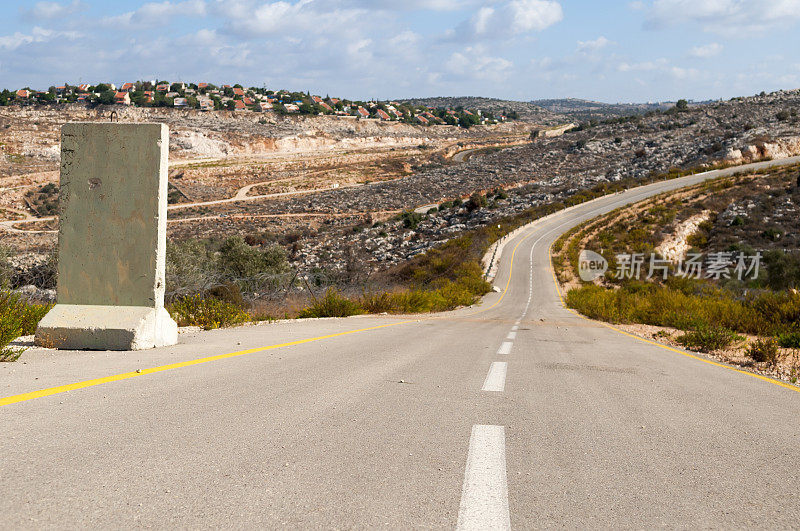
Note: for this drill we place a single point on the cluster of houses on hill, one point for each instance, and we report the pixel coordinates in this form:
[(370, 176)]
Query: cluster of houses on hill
[(210, 97)]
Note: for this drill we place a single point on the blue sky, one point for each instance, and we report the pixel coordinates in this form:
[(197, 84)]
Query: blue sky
[(648, 50)]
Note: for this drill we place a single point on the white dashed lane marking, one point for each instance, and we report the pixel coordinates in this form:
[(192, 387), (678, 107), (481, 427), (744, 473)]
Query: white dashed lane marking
[(505, 348), (512, 335), (496, 379), (484, 496)]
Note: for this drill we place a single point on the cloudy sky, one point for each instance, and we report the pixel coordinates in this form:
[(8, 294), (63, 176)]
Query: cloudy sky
[(648, 50)]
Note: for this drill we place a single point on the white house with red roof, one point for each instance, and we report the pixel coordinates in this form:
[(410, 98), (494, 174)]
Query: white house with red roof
[(382, 115), (238, 92), (422, 120), (122, 98), (23, 94), (362, 112), (127, 87)]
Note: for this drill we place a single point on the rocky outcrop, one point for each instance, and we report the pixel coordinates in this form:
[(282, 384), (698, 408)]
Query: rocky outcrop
[(675, 246)]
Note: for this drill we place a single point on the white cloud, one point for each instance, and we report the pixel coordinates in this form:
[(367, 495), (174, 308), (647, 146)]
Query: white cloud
[(724, 16), (476, 62), (405, 40), (156, 14), (511, 18), (593, 46), (705, 52), (53, 10), (407, 5), (37, 35), (203, 37), (659, 68), (683, 73), (644, 66), (252, 19)]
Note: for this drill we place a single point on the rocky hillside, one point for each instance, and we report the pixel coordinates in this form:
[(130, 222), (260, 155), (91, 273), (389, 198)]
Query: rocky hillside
[(526, 111), (29, 136), (584, 110)]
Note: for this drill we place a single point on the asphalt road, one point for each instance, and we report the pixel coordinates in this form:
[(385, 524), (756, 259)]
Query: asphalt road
[(515, 412)]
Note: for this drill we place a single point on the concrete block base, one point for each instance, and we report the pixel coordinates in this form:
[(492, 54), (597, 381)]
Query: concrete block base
[(95, 327)]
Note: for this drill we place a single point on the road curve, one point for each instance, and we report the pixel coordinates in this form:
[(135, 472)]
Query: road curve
[(512, 413)]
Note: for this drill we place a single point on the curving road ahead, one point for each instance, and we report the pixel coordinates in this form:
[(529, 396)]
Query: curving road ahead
[(515, 412)]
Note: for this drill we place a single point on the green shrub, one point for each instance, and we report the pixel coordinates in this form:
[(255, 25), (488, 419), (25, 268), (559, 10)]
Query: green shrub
[(789, 339), (708, 338), (18, 317), (6, 270), (764, 351), (690, 305), (207, 312), (237, 260), (411, 219), (332, 304), (475, 202), (201, 267)]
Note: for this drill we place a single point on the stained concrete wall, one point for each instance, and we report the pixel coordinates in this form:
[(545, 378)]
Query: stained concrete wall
[(112, 235)]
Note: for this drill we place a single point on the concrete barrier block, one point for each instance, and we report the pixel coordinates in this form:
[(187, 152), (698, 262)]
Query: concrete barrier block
[(111, 239), (100, 327)]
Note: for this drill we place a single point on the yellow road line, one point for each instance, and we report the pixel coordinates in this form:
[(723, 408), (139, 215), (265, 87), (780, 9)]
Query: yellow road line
[(124, 376), (4, 401), (510, 270), (665, 347)]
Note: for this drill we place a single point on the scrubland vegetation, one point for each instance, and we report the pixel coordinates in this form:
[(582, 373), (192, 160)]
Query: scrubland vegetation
[(18, 317), (747, 213)]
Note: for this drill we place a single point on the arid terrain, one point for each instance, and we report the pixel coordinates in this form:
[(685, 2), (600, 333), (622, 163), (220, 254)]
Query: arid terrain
[(341, 194)]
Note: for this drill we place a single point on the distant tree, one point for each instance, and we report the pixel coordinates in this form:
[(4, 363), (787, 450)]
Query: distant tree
[(230, 105), (102, 87), (137, 98), (783, 269), (307, 108), (475, 202), (159, 100), (106, 97), (237, 85), (682, 105)]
